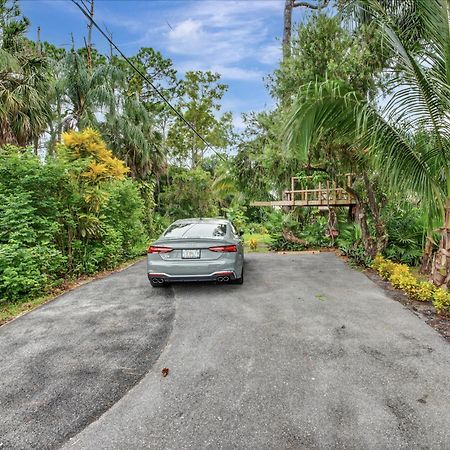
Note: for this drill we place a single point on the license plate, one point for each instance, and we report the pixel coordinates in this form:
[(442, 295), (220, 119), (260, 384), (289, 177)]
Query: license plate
[(190, 254)]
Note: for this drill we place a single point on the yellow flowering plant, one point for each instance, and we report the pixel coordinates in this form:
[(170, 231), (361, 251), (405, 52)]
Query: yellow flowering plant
[(253, 243), (89, 146), (441, 301), (401, 278)]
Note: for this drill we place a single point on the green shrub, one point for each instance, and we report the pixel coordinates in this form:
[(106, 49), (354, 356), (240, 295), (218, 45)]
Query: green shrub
[(405, 225), (56, 224), (279, 244), (349, 242)]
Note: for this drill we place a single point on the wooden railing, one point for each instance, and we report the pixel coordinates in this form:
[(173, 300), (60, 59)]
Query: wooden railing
[(326, 194)]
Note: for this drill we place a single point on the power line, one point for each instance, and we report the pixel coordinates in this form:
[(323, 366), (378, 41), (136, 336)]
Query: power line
[(144, 76)]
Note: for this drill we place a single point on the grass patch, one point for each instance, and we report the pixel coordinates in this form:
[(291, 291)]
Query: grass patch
[(10, 310)]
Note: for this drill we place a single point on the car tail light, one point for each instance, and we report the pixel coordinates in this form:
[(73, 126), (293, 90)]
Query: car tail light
[(156, 249), (224, 249)]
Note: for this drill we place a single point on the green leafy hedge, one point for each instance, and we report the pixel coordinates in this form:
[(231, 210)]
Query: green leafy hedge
[(49, 231)]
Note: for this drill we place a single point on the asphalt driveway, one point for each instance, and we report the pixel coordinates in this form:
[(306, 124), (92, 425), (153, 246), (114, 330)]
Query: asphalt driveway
[(308, 353), (65, 363)]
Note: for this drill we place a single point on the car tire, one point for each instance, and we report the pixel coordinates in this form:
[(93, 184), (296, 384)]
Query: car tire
[(239, 280)]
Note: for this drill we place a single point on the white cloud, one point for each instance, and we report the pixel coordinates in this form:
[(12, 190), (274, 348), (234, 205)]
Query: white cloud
[(226, 72), (270, 54), (226, 32), (187, 30), (237, 73), (238, 122)]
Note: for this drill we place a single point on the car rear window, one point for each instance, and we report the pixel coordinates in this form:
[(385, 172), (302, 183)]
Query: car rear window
[(196, 230)]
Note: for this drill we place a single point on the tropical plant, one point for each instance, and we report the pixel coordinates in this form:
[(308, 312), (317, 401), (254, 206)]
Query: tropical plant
[(419, 106), (87, 90), (129, 131), (24, 81)]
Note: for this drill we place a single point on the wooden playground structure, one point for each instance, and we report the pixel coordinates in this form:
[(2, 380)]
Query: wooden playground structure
[(328, 194)]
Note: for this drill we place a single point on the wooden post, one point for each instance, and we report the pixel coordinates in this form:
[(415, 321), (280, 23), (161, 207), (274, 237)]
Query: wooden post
[(89, 40), (320, 193), (293, 188)]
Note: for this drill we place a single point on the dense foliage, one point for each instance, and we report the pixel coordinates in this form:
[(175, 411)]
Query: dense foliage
[(71, 215)]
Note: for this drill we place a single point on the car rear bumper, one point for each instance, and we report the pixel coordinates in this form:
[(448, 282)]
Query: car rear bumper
[(223, 275), (228, 265)]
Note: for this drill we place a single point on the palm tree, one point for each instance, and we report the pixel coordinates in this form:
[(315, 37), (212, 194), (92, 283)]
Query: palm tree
[(87, 90), (419, 105), (129, 129), (24, 79)]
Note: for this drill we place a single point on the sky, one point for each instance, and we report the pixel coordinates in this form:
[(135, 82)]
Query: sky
[(240, 39)]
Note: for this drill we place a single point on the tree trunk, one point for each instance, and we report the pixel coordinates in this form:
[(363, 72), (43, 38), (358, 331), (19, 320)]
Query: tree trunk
[(426, 260), (440, 273), (380, 229), (89, 39), (332, 230), (287, 29), (360, 219), (368, 242), (289, 5), (36, 145)]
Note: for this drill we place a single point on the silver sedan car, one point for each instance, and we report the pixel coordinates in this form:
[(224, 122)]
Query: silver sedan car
[(197, 250)]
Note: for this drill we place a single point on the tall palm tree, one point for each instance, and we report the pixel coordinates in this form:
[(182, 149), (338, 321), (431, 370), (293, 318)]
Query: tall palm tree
[(87, 90), (130, 131), (24, 79), (419, 105)]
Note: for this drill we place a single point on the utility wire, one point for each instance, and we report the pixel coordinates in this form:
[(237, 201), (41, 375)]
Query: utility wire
[(144, 76)]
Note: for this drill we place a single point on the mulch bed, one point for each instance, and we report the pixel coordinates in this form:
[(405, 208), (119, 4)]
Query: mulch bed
[(424, 310)]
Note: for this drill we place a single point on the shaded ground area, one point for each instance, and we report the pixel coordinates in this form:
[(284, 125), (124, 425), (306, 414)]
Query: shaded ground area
[(307, 354), (68, 361)]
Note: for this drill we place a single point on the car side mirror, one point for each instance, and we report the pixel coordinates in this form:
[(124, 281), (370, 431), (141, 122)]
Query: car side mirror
[(241, 233)]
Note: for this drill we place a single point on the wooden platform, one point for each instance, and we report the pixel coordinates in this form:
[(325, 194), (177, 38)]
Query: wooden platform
[(303, 203), (326, 195)]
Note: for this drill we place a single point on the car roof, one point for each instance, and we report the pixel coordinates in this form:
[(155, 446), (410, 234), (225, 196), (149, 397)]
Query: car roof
[(203, 220)]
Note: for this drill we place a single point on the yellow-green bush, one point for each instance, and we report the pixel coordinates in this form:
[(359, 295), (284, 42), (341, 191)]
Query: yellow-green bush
[(441, 301), (383, 266), (401, 278), (253, 243), (377, 262), (424, 291)]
